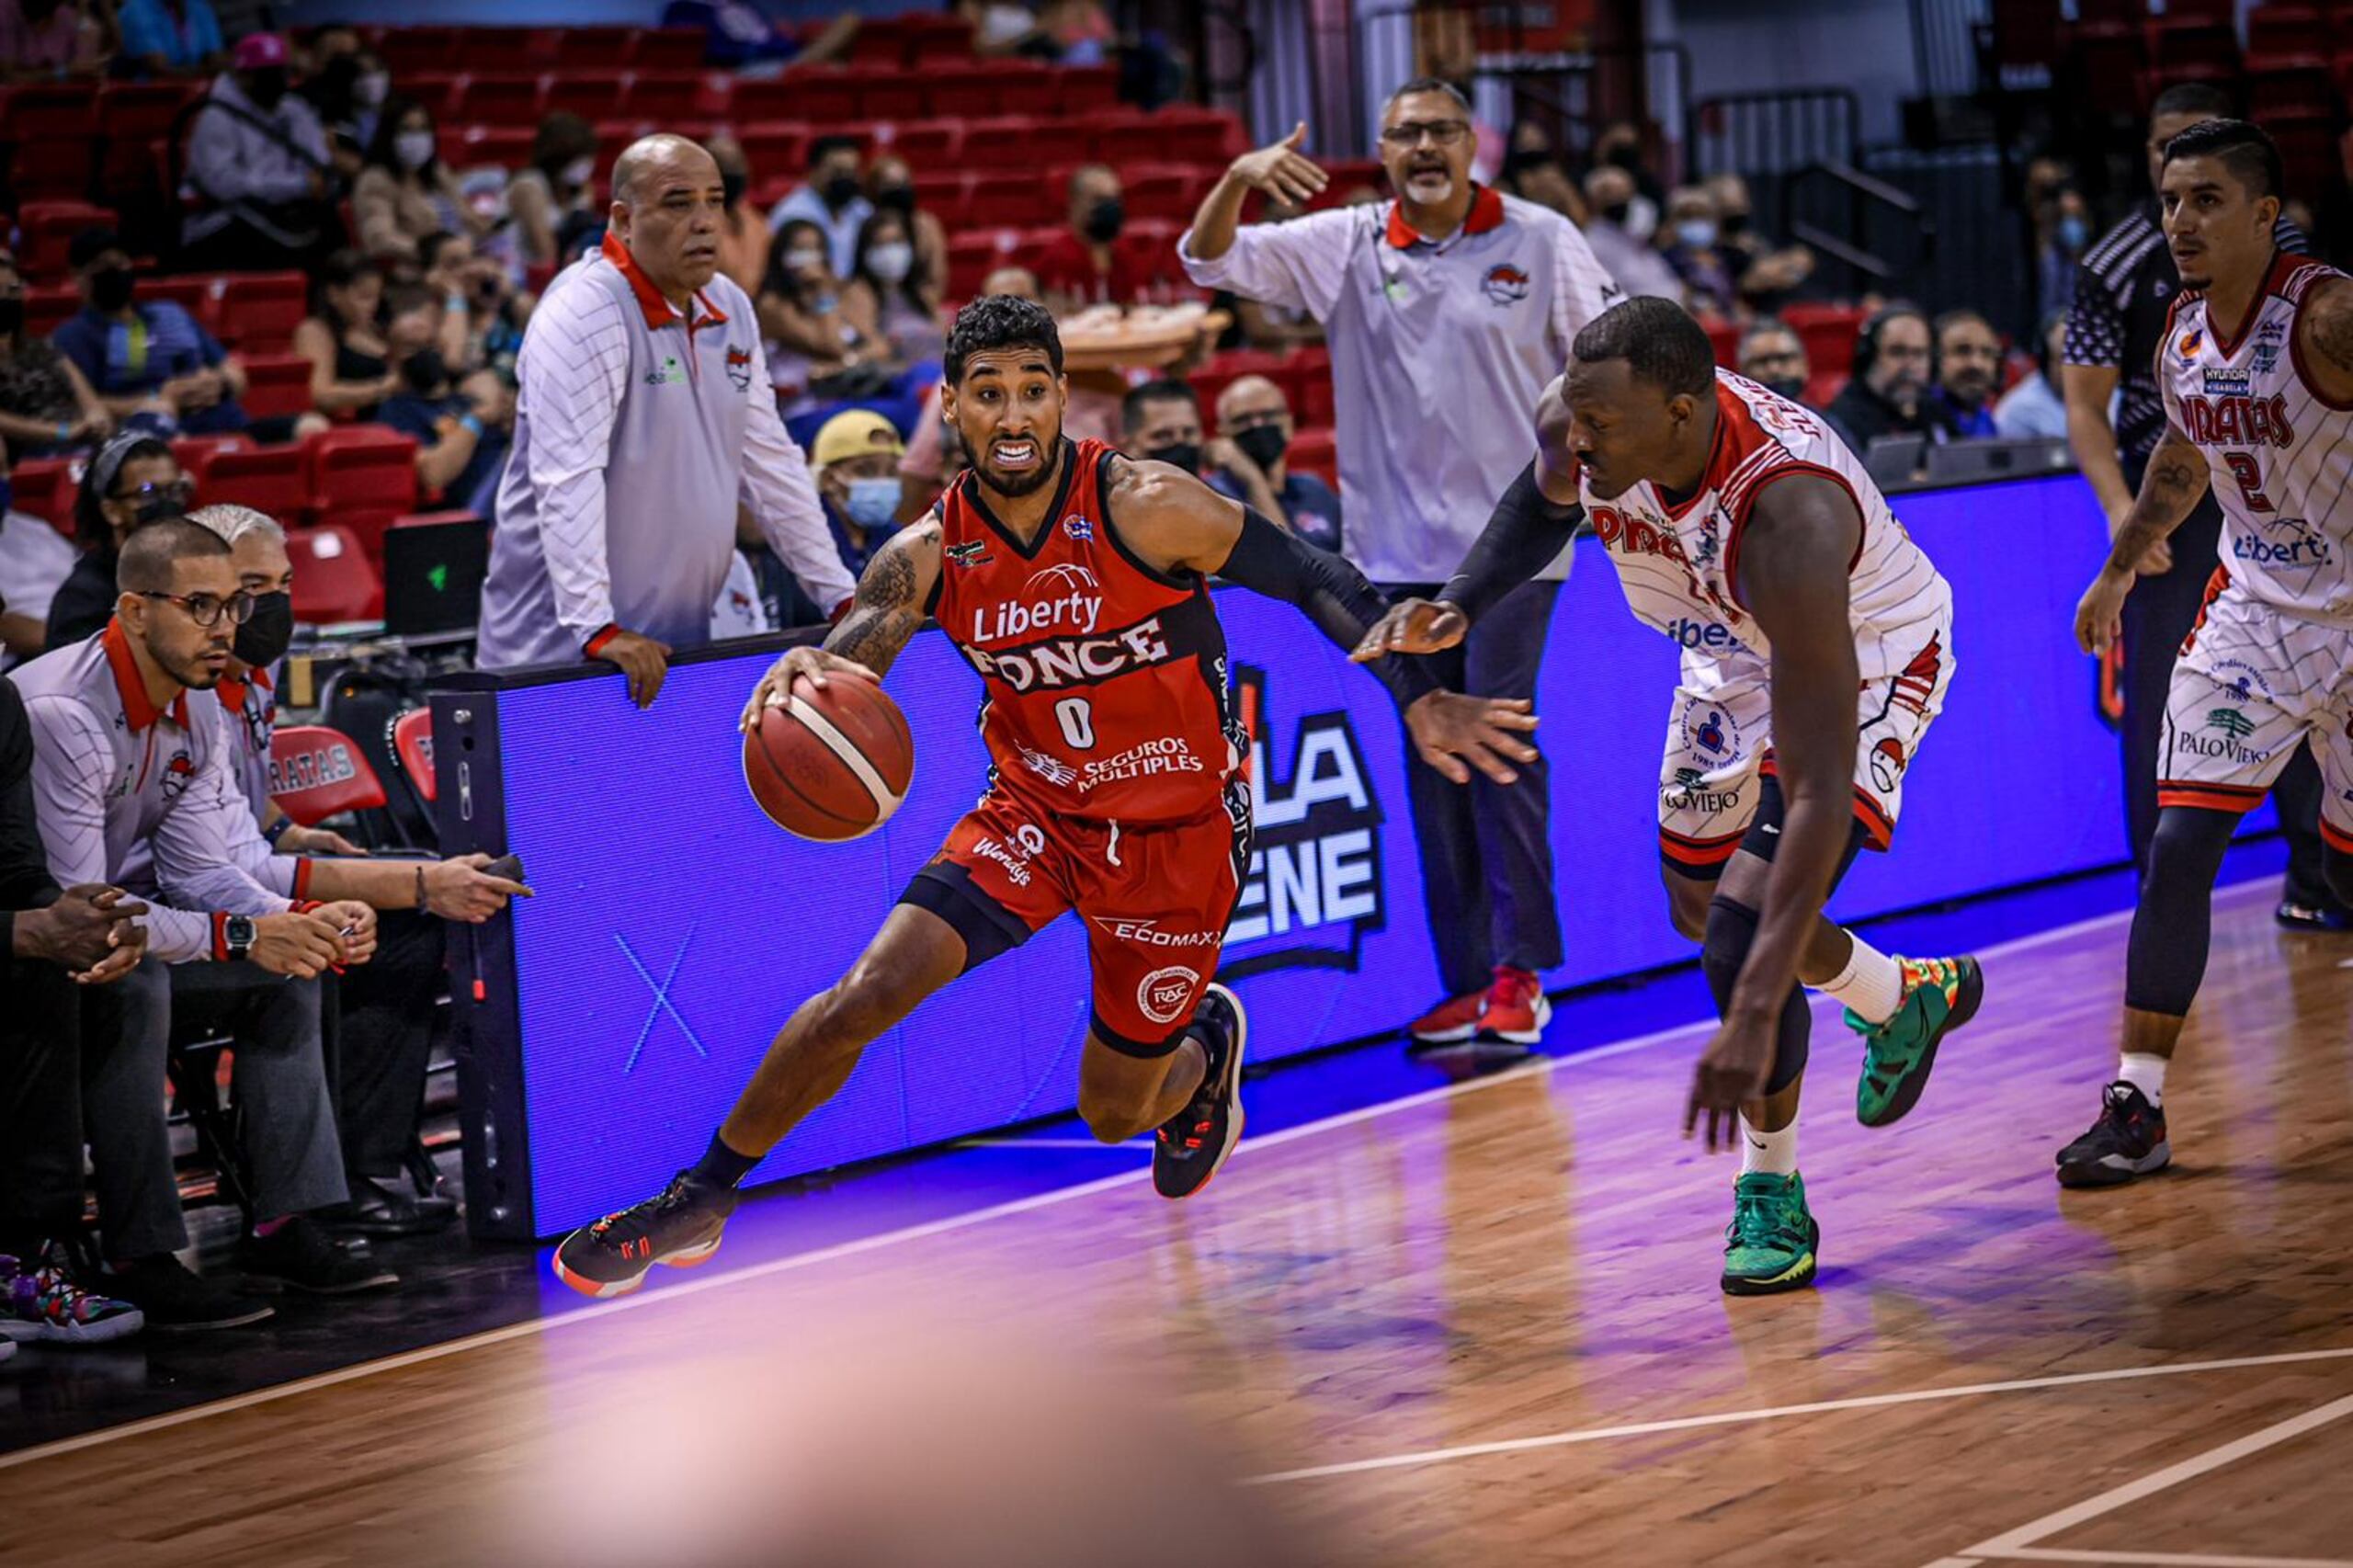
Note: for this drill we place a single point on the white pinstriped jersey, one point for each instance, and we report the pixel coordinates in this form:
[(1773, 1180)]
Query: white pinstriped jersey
[(1678, 564), (2280, 455)]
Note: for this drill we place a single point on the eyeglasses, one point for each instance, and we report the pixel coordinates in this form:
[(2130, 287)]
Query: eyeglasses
[(180, 490), (1258, 420), (206, 609), (1441, 133)]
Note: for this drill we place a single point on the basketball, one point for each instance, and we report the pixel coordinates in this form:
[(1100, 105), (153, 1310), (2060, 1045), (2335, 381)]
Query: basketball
[(833, 764)]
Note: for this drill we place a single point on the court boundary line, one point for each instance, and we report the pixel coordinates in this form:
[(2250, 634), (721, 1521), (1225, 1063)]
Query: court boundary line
[(1542, 1067), (1774, 1413), (2019, 1542), (2164, 1559)]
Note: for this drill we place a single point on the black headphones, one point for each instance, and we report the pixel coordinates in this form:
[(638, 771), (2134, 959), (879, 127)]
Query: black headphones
[(1867, 335)]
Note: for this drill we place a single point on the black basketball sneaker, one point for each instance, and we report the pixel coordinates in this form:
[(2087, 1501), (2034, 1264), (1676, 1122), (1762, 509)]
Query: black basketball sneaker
[(681, 1226), (1195, 1142), (2128, 1141)]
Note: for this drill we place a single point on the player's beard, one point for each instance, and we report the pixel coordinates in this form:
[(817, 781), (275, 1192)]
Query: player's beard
[(1014, 485)]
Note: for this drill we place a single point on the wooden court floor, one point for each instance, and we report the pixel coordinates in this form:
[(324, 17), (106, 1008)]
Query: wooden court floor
[(1480, 1326)]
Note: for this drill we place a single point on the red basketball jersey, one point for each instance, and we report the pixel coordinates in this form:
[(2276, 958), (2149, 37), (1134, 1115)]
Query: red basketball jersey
[(1106, 680)]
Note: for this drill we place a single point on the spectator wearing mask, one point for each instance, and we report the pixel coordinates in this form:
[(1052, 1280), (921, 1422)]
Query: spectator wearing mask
[(1245, 462), (1968, 373), (460, 434), (744, 236), (832, 197), (257, 156), (55, 942), (170, 37), (1638, 270), (1765, 276), (1619, 146), (891, 288), (45, 403), (120, 707), (404, 193), (42, 40), (480, 316), (815, 331), (349, 91), (553, 200), (379, 1016), (151, 363), (133, 481), (617, 514), (343, 337), (891, 186), (1162, 420), (855, 460), (2035, 406), (1083, 265), (2066, 238), (1691, 249), (1888, 393), (1774, 355)]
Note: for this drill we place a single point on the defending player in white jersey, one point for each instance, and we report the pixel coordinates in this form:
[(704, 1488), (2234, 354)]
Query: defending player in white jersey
[(1742, 528), (2257, 370)]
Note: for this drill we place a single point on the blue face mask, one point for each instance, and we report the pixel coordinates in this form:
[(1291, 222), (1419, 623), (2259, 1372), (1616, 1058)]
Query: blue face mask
[(2074, 234), (873, 503)]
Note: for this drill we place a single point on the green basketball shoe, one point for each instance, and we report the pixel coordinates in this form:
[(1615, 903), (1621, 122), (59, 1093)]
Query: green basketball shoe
[(1940, 995), (1769, 1245)]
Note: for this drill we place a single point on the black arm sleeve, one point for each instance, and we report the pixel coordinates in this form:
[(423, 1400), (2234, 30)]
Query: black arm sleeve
[(25, 881), (1331, 593), (1526, 532)]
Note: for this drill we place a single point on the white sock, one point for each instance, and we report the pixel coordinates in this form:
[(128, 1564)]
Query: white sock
[(1773, 1153), (2147, 1073), (1871, 984)]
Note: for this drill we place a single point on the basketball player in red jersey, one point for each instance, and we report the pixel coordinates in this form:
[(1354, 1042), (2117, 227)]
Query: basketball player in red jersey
[(1076, 582), (1741, 526), (2256, 368)]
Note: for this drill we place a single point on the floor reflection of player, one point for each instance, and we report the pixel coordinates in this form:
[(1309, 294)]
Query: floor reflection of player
[(1742, 529), (1076, 582)]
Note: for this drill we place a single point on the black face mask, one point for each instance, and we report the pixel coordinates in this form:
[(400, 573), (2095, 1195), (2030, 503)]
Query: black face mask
[(111, 288), (896, 199), (267, 632), (1616, 212), (266, 87), (1262, 444), (733, 187), (1624, 157), (1180, 454), (1790, 387), (1105, 219), (425, 372), (1733, 223), (12, 315), (840, 192)]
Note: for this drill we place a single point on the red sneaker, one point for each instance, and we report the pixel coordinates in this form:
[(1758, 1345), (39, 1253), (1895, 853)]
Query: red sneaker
[(1516, 1007), (1452, 1020)]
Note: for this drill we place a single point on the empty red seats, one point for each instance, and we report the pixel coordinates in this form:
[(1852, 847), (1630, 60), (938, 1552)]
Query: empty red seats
[(334, 582), (268, 479), (257, 311), (46, 228), (316, 772), (363, 476), (45, 487)]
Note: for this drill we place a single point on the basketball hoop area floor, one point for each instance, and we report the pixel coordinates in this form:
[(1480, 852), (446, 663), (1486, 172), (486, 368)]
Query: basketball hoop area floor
[(1480, 1324)]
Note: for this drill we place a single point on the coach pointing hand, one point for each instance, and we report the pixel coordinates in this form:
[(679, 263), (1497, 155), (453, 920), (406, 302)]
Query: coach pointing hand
[(644, 416)]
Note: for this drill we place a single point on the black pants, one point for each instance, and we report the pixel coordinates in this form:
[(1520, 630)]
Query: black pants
[(40, 1106), (2157, 616), (1486, 848), (379, 1024)]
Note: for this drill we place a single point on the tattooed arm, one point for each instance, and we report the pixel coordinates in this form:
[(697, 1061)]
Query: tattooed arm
[(2170, 489), (2324, 340), (894, 596)]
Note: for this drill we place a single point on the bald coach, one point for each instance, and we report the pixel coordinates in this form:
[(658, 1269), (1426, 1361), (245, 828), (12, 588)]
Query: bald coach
[(644, 416)]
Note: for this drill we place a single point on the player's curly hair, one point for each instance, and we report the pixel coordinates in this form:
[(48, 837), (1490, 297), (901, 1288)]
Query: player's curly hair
[(1000, 320), (1659, 340)]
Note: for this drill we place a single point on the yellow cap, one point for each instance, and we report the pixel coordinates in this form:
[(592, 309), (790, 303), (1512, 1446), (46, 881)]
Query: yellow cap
[(853, 433)]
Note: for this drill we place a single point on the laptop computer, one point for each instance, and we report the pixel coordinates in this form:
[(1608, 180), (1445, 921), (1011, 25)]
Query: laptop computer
[(1967, 462), (433, 575), (1891, 461)]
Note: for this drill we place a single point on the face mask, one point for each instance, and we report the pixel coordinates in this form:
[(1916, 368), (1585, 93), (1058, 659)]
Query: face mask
[(840, 192), (156, 506), (266, 87), (2074, 234), (873, 503), (1642, 220), (896, 198), (413, 148), (1735, 222), (1178, 454), (369, 91), (12, 315), (579, 172), (111, 288), (732, 187), (1626, 156), (267, 633), (1105, 219), (892, 261), (1788, 387), (1616, 213), (1697, 232), (1262, 444), (804, 261)]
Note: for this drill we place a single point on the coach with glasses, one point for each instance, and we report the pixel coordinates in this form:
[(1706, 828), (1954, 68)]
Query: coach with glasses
[(1447, 309)]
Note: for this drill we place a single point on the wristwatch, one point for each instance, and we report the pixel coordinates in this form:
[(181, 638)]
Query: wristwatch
[(237, 936)]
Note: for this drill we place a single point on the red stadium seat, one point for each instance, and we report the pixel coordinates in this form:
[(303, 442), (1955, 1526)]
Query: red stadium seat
[(880, 44), (45, 487), (2280, 36), (439, 91), (44, 230), (316, 772), (579, 48), (1159, 190), (1012, 198), (815, 95), (193, 294), (52, 134), (333, 580), (774, 99), (486, 146), (1007, 142), (894, 95), (591, 95), (363, 476), (277, 385), (667, 48), (2107, 64), (1309, 380), (407, 51), (936, 39), (257, 311), (412, 743), (1082, 89), (2292, 91), (2193, 51), (1312, 452), (925, 143), (1828, 333), (968, 91), (268, 479), (662, 95), (974, 253), (499, 100), (2309, 149), (132, 115), (48, 309), (195, 453)]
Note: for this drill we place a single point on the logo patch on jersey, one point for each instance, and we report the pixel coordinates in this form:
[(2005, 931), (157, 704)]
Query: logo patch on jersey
[(1074, 661), (1064, 598), (1148, 933), (1710, 636), (1689, 792), (1169, 754), (1710, 732), (1162, 995), (2228, 383), (2237, 421), (1078, 527), (2231, 722), (974, 552), (1504, 284), (179, 774), (2304, 546), (2191, 342), (1313, 887), (739, 369), (1887, 764), (2267, 358)]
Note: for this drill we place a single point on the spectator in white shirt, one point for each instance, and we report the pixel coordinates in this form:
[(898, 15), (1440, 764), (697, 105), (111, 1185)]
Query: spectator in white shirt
[(1610, 196), (2034, 406), (832, 197), (257, 156)]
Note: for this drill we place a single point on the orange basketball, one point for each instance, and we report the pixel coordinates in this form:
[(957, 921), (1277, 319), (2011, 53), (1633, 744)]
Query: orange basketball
[(834, 762)]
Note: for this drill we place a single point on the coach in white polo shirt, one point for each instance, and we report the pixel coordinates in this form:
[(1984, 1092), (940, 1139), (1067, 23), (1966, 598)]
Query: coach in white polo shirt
[(1447, 311), (644, 416)]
